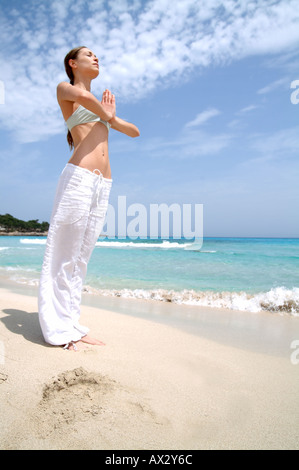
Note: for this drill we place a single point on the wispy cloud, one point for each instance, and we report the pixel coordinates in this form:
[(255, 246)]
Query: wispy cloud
[(202, 117), (279, 144), (189, 143), (141, 46), (282, 82), (248, 109)]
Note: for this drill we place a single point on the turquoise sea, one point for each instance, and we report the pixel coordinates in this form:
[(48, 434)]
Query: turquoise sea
[(251, 274)]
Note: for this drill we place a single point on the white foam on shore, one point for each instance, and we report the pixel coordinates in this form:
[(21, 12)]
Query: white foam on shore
[(279, 299)]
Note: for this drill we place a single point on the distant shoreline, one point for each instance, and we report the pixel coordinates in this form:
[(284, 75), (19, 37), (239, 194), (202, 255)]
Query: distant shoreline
[(22, 234)]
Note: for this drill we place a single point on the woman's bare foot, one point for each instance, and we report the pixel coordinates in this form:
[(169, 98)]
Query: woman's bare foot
[(79, 345), (87, 339)]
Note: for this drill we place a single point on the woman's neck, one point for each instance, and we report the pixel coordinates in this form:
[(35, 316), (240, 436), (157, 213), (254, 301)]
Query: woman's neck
[(83, 82)]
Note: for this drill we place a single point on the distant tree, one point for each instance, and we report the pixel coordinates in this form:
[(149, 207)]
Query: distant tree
[(44, 226), (10, 224)]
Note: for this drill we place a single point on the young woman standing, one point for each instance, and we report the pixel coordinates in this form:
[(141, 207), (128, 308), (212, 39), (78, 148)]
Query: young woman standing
[(81, 200)]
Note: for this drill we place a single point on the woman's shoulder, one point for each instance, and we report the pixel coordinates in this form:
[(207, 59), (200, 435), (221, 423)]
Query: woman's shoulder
[(62, 86), (65, 100), (68, 92)]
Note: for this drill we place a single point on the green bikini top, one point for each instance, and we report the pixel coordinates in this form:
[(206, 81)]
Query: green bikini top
[(82, 116)]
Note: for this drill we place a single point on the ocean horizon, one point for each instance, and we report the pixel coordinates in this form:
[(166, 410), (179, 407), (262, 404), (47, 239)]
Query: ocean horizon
[(236, 273)]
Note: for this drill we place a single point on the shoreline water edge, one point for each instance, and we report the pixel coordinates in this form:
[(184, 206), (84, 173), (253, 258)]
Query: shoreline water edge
[(252, 275)]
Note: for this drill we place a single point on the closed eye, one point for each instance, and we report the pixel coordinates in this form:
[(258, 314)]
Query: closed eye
[(90, 54)]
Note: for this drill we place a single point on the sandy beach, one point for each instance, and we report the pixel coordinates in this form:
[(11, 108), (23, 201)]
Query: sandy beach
[(169, 377)]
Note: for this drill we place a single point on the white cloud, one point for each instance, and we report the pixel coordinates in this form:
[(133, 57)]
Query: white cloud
[(282, 82), (141, 46), (201, 118), (189, 143), (281, 143), (247, 109)]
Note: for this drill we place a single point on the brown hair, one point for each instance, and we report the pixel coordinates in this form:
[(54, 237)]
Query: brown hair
[(73, 54)]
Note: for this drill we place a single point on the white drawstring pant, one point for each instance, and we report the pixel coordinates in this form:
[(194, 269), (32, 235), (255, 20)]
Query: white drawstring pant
[(77, 219)]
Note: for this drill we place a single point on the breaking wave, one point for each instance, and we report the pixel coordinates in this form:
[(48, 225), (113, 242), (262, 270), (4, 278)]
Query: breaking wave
[(279, 299), (33, 241), (163, 244)]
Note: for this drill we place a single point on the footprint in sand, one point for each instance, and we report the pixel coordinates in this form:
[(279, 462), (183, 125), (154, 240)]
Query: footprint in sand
[(74, 395), (87, 410), (78, 397)]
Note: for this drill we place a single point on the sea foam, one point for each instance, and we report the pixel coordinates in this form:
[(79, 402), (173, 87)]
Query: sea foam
[(278, 299), (33, 241)]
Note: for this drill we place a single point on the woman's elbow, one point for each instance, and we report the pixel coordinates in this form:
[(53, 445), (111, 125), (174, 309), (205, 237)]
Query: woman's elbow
[(135, 132)]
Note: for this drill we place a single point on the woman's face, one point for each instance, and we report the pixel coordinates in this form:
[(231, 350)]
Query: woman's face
[(86, 63)]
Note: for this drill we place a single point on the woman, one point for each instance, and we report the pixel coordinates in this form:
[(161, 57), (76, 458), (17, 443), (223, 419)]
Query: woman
[(81, 200)]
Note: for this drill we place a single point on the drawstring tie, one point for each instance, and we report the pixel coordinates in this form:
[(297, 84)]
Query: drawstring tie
[(99, 183), (100, 174), (71, 343)]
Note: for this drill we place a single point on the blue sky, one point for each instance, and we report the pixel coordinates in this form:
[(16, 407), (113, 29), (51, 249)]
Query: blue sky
[(207, 83)]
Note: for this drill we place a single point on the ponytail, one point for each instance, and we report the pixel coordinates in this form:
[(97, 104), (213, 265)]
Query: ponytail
[(71, 55)]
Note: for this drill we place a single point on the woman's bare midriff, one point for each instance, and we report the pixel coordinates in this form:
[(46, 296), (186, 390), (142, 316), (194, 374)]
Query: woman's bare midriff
[(91, 147)]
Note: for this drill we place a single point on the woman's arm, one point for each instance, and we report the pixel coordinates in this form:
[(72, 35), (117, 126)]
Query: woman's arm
[(68, 92), (125, 127)]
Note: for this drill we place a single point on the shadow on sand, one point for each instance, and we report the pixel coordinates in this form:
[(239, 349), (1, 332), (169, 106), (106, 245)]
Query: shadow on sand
[(23, 323)]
